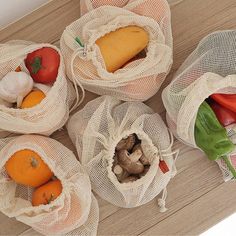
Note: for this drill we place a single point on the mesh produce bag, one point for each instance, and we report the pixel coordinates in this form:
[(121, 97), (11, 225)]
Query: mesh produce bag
[(73, 212), (46, 117), (96, 131), (211, 68), (137, 80)]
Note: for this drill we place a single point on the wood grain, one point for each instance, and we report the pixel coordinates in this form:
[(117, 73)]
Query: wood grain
[(197, 196)]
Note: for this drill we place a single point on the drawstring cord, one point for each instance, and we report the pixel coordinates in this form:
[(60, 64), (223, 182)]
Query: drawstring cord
[(76, 83), (165, 153), (81, 52)]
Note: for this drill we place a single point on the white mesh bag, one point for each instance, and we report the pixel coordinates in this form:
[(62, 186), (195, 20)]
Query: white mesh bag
[(73, 212), (138, 80), (96, 130), (46, 117), (211, 68)]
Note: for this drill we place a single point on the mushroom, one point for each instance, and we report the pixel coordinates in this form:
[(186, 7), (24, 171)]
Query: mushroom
[(146, 169), (125, 162), (143, 159), (120, 173), (127, 143)]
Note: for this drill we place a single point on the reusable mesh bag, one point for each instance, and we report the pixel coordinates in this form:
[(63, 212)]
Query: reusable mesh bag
[(46, 117), (138, 80), (96, 130), (211, 68), (74, 212)]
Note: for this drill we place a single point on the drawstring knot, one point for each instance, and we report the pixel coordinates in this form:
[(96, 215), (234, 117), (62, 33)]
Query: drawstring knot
[(162, 201), (162, 205)]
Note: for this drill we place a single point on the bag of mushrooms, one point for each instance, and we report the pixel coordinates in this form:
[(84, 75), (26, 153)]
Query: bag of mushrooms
[(35, 95), (119, 48), (44, 186), (126, 149), (201, 100)]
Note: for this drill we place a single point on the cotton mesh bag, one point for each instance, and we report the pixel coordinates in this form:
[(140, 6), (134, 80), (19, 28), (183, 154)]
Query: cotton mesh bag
[(138, 80), (210, 69), (46, 117), (96, 131), (73, 212)]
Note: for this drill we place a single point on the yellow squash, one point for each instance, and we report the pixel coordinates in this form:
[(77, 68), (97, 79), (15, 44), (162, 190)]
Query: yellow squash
[(120, 46)]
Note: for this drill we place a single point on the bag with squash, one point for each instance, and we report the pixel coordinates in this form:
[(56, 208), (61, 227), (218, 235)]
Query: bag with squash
[(35, 95), (44, 186), (129, 160), (201, 100), (120, 48)]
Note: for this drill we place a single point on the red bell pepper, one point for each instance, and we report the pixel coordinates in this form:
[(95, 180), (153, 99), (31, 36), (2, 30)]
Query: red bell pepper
[(226, 100), (225, 116)]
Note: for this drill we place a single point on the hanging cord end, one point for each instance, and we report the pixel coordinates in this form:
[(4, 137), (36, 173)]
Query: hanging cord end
[(162, 201), (162, 205)]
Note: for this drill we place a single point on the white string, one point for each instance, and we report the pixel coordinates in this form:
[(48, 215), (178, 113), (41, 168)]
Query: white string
[(75, 81), (165, 152), (162, 201)]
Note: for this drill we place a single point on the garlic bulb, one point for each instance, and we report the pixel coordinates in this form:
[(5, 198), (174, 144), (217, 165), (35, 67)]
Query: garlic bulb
[(14, 86)]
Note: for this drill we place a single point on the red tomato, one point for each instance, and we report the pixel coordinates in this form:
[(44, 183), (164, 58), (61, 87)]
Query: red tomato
[(43, 65)]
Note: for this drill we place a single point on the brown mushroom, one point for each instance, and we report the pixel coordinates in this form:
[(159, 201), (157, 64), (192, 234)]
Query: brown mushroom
[(143, 159), (125, 162), (127, 143)]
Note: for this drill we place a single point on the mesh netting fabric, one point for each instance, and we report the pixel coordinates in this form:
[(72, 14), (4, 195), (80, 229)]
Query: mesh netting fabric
[(211, 68), (96, 130), (46, 117), (138, 80), (74, 212)]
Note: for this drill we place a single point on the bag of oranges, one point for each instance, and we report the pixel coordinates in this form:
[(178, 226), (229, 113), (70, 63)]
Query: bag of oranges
[(119, 48), (129, 160), (35, 95), (44, 186)]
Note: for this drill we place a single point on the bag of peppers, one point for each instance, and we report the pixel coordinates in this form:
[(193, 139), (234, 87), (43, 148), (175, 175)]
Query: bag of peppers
[(201, 100)]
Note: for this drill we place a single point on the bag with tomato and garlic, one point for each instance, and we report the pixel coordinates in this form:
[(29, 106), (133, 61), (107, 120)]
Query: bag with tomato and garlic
[(126, 149), (119, 48), (44, 186), (201, 100), (35, 95)]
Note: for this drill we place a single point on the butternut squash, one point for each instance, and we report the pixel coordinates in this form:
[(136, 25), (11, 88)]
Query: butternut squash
[(120, 46)]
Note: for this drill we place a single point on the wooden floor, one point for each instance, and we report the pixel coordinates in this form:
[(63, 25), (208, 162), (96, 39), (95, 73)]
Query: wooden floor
[(197, 197)]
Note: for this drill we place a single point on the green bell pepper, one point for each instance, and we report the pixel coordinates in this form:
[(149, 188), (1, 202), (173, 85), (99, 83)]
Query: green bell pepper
[(210, 135)]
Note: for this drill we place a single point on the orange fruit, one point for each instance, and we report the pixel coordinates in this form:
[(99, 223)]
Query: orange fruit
[(32, 99), (47, 193), (18, 69), (26, 167)]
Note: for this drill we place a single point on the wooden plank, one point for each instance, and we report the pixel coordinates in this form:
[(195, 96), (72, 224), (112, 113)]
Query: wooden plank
[(9, 226), (45, 24), (214, 206)]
